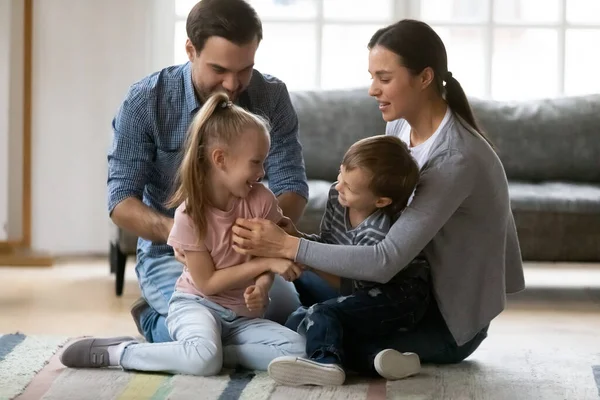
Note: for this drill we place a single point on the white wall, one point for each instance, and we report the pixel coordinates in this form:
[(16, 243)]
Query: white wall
[(85, 56)]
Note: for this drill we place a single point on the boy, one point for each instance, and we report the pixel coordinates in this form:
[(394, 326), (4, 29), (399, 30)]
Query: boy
[(376, 180)]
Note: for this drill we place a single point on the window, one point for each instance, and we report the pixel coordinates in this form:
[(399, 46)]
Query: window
[(509, 49), (310, 44), (519, 49)]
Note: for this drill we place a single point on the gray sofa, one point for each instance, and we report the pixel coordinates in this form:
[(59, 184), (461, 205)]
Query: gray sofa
[(550, 150)]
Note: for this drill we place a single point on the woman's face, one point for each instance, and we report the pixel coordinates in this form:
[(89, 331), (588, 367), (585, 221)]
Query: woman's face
[(393, 85)]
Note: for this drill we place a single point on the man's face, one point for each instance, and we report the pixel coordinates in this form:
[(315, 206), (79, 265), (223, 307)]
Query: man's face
[(221, 65)]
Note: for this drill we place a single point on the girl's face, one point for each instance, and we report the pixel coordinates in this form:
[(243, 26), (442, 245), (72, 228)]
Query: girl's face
[(243, 162), (395, 88)]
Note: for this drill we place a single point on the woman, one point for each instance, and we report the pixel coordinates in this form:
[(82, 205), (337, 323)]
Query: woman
[(459, 216)]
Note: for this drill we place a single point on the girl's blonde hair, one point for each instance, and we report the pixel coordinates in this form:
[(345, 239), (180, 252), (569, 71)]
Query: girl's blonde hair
[(218, 123)]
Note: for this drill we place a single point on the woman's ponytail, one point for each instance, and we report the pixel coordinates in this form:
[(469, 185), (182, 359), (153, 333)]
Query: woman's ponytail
[(458, 102)]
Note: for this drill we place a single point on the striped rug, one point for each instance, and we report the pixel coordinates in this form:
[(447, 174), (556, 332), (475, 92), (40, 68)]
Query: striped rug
[(30, 370), (507, 368)]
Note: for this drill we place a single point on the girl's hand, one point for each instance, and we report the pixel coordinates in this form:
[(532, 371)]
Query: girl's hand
[(289, 270), (256, 298), (261, 237)]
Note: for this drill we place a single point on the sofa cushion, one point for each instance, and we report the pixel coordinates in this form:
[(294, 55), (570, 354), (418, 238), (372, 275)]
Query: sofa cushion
[(555, 197), (541, 140), (559, 197), (537, 140), (330, 122), (558, 236)]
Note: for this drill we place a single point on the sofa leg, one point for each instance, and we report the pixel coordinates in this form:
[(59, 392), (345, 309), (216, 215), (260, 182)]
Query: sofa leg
[(118, 260)]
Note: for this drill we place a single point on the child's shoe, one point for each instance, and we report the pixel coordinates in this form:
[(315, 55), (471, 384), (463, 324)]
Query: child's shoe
[(297, 371), (393, 365), (95, 352)]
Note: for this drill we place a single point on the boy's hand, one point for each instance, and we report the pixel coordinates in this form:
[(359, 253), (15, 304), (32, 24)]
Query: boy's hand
[(256, 298)]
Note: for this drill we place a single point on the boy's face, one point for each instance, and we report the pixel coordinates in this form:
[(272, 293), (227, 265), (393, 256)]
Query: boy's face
[(354, 191)]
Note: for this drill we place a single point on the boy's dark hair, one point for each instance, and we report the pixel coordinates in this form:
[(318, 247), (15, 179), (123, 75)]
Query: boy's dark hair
[(394, 172), (234, 20)]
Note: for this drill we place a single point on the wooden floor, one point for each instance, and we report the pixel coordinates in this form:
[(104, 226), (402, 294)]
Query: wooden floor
[(76, 297)]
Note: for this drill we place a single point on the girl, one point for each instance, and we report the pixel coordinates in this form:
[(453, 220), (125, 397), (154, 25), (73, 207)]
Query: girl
[(215, 313)]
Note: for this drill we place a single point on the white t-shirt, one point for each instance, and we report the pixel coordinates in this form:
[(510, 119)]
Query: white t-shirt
[(421, 152)]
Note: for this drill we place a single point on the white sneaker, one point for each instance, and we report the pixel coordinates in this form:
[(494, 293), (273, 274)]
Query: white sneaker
[(297, 371), (393, 365)]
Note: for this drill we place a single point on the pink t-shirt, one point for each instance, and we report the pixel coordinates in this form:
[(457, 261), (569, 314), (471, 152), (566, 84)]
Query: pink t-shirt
[(260, 203)]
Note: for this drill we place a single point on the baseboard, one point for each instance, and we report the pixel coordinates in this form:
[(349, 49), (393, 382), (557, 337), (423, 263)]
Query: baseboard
[(21, 257), (6, 247)]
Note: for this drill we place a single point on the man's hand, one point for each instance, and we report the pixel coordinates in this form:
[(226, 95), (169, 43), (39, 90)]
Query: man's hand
[(134, 216), (288, 226), (168, 226), (180, 256), (292, 205), (256, 298)]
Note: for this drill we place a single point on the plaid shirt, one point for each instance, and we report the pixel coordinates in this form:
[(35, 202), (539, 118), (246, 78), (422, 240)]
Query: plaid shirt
[(149, 135)]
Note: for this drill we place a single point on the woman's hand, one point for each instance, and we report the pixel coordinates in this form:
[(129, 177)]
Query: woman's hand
[(261, 237)]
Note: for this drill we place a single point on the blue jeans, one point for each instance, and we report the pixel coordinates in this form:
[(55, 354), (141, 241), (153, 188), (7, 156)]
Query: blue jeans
[(313, 289), (207, 336), (364, 316), (157, 277), (430, 338)]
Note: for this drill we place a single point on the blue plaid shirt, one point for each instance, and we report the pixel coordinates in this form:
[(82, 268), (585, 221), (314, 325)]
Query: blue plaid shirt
[(149, 134)]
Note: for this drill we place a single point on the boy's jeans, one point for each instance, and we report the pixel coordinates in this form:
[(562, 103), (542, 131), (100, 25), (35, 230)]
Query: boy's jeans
[(207, 336), (364, 316), (430, 338)]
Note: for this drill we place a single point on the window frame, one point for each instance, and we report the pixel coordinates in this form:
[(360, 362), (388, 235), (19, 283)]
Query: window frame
[(489, 25), (400, 9)]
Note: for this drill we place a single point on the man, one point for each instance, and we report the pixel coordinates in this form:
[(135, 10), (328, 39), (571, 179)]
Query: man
[(149, 131)]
